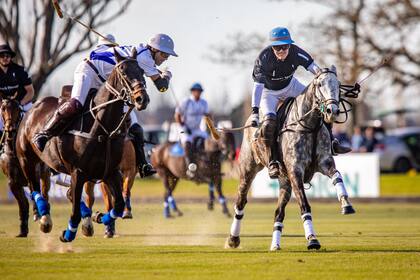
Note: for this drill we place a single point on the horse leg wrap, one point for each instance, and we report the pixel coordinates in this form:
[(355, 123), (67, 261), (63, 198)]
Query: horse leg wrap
[(172, 202), (277, 230), (41, 203), (70, 233), (235, 229), (339, 185), (307, 225), (110, 216), (222, 200), (85, 212), (128, 203), (166, 210)]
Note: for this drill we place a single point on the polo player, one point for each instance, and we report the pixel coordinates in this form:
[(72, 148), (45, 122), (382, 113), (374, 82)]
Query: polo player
[(189, 115), (94, 71), (14, 80), (274, 81)]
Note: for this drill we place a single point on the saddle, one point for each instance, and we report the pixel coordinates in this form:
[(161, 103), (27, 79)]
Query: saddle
[(283, 110), (82, 125)]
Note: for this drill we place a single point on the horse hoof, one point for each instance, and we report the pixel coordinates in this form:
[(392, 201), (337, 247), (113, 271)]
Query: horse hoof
[(210, 206), (127, 215), (97, 217), (275, 247), (180, 214), (67, 236), (233, 242), (87, 227), (347, 210), (314, 244), (45, 224), (22, 234)]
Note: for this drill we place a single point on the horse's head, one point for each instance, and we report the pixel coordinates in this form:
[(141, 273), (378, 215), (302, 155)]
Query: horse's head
[(327, 93), (10, 113), (127, 78)]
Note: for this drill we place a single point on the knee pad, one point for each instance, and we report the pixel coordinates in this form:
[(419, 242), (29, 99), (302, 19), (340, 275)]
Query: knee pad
[(268, 128)]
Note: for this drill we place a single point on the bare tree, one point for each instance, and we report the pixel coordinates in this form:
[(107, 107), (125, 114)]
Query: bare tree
[(42, 41), (356, 36)]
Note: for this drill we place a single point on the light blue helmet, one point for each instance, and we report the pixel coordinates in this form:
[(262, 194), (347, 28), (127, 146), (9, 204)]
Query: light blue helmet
[(196, 86), (280, 36), (163, 43)]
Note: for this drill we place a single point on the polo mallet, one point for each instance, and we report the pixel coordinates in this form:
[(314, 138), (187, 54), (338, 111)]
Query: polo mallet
[(61, 14)]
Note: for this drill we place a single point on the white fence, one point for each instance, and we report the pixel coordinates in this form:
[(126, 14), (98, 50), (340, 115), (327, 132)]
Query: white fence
[(360, 173)]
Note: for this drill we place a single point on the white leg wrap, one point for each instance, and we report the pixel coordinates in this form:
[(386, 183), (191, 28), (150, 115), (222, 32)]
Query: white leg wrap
[(339, 185), (309, 229), (170, 199), (165, 204), (276, 235), (222, 200), (235, 229)]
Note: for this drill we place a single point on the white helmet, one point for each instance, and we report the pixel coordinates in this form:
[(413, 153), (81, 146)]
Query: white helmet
[(163, 43), (110, 40)]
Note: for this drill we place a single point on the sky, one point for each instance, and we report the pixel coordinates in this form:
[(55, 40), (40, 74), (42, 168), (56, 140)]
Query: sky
[(196, 26)]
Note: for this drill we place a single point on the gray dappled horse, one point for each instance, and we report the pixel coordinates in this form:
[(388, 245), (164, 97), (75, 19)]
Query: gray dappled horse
[(305, 146)]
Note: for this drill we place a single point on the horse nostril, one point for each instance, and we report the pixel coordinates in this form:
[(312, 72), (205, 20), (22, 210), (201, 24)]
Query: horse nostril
[(329, 111)]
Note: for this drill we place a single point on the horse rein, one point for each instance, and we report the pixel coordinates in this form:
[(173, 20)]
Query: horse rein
[(124, 95)]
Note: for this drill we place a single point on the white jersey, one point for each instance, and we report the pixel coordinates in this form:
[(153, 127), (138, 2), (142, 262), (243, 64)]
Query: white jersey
[(103, 58), (193, 111)]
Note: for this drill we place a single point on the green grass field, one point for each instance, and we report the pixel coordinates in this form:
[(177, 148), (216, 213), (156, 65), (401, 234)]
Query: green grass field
[(381, 241)]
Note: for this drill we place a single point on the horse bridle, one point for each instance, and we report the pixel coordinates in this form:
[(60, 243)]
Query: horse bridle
[(7, 129), (128, 93), (320, 100), (321, 104)]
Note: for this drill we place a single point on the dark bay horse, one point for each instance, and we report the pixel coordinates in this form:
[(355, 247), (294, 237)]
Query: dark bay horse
[(304, 145), (92, 153), (171, 167), (11, 114)]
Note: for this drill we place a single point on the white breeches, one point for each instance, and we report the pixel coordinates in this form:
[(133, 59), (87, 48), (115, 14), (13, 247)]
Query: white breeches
[(26, 108), (190, 137), (84, 79), (271, 98)]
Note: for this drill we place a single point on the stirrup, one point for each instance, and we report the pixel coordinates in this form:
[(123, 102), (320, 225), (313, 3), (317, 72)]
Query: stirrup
[(274, 169)]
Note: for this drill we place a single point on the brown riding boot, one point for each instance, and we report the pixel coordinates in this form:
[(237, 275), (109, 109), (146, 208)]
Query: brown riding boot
[(269, 135), (61, 118), (336, 147)]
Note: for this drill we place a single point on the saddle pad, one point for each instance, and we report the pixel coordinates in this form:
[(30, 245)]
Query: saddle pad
[(282, 112), (176, 150)]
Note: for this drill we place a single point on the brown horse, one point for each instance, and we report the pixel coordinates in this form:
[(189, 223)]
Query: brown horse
[(169, 161), (11, 114), (93, 153)]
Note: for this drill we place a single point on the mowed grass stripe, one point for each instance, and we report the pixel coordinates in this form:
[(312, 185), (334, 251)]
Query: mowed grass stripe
[(382, 241)]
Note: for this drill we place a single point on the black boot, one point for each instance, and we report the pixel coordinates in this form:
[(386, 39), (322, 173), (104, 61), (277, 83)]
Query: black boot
[(269, 135), (189, 160), (145, 168), (336, 147), (59, 121)]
